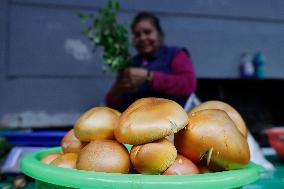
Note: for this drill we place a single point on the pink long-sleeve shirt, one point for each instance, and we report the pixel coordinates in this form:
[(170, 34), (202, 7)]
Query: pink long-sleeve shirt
[(179, 84), (182, 81)]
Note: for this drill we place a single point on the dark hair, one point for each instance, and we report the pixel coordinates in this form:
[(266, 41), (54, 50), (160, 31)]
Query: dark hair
[(147, 16)]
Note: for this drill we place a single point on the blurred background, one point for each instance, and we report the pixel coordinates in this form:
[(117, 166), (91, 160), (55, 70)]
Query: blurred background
[(50, 74)]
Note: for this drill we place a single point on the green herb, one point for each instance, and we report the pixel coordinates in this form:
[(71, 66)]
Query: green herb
[(106, 32)]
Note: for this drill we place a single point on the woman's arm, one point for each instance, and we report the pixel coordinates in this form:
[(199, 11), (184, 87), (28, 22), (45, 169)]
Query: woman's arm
[(127, 81), (113, 99), (182, 81)]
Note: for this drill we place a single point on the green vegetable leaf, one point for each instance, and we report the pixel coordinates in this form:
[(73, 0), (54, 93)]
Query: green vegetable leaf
[(107, 33)]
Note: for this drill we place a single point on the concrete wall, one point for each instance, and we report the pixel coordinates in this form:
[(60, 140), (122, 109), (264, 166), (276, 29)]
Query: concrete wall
[(49, 72)]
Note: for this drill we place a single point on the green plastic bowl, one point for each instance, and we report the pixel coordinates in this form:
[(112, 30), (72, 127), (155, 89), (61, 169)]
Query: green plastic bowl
[(48, 176)]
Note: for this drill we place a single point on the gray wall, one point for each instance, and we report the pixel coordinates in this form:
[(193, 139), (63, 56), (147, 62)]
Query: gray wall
[(48, 70)]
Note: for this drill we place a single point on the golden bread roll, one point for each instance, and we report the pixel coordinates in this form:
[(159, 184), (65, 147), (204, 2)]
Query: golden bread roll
[(97, 123), (150, 119), (213, 130), (182, 166), (71, 144), (233, 113), (154, 157), (67, 160), (104, 156), (49, 158)]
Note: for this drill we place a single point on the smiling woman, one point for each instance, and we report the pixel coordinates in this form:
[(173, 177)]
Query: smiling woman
[(148, 34), (156, 71)]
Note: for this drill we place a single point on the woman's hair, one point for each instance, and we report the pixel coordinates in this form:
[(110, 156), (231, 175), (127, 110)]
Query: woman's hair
[(147, 16)]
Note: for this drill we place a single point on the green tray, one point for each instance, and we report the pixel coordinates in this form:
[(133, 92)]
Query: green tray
[(48, 176)]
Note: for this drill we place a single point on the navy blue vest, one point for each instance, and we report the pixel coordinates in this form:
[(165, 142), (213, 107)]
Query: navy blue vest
[(161, 61)]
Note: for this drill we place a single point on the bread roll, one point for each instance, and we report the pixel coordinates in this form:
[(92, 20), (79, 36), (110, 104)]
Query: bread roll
[(213, 130), (71, 144), (97, 123), (233, 113), (104, 156), (150, 119), (67, 160), (153, 158)]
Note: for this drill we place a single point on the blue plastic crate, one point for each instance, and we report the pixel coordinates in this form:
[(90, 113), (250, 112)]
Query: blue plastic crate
[(34, 138)]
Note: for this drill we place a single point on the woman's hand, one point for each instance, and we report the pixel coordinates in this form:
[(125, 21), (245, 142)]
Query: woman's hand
[(132, 78)]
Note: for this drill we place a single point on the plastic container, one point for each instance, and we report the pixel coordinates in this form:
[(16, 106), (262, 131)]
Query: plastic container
[(276, 139), (48, 176), (246, 66), (259, 65)]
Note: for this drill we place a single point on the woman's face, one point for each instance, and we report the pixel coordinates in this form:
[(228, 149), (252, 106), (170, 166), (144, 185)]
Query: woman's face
[(146, 38)]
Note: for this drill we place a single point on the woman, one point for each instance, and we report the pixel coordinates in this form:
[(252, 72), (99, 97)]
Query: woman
[(157, 70)]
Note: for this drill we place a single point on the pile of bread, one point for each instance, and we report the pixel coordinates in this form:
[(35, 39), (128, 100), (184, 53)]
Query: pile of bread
[(211, 137)]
